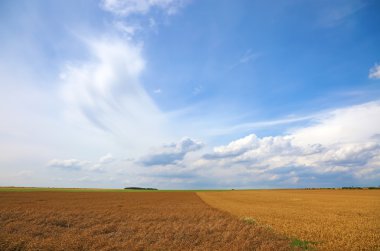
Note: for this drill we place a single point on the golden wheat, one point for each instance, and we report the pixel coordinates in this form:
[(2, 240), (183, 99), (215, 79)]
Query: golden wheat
[(334, 219), (124, 221)]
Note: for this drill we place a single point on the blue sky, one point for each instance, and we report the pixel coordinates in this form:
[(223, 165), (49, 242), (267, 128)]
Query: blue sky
[(189, 94)]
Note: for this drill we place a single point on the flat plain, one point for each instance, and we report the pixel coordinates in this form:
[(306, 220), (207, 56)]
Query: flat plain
[(321, 219), (124, 221)]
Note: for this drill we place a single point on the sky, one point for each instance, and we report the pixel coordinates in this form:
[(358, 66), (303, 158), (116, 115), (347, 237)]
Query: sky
[(190, 94)]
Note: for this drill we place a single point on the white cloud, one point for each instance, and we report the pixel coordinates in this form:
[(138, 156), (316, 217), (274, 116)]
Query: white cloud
[(105, 92), (152, 23), (129, 7), (266, 150), (247, 57), (172, 153), (337, 12), (83, 165), (355, 155), (92, 106), (126, 28), (342, 157), (278, 161), (331, 120), (341, 143), (215, 131), (198, 89), (235, 148), (374, 72), (352, 124), (68, 164), (108, 158)]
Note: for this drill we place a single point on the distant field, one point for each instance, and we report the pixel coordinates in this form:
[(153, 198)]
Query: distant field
[(48, 189), (325, 219), (124, 221)]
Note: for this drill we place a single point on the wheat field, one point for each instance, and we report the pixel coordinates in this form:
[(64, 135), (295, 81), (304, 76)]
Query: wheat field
[(323, 219), (124, 221)]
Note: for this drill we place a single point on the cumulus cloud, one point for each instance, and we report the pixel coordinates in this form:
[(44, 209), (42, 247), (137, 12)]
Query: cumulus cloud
[(278, 160), (82, 165), (130, 7), (68, 164), (108, 158), (234, 148), (256, 151), (172, 153), (374, 72), (340, 146), (349, 155)]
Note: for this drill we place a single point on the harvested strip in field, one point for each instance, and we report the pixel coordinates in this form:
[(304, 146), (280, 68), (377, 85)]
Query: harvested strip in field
[(334, 219), (124, 221)]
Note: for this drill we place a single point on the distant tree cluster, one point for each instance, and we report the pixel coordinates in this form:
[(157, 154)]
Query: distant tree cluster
[(352, 187), (378, 187), (140, 188)]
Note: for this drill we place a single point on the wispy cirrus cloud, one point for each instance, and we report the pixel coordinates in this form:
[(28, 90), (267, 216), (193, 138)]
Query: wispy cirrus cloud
[(338, 11), (357, 123), (104, 91), (157, 91), (234, 128), (246, 58), (134, 17)]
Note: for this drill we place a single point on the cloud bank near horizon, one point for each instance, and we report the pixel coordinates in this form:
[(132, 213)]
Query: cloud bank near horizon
[(350, 155)]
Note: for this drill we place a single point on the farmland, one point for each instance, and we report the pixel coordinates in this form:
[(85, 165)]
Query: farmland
[(46, 220), (120, 219), (323, 219)]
